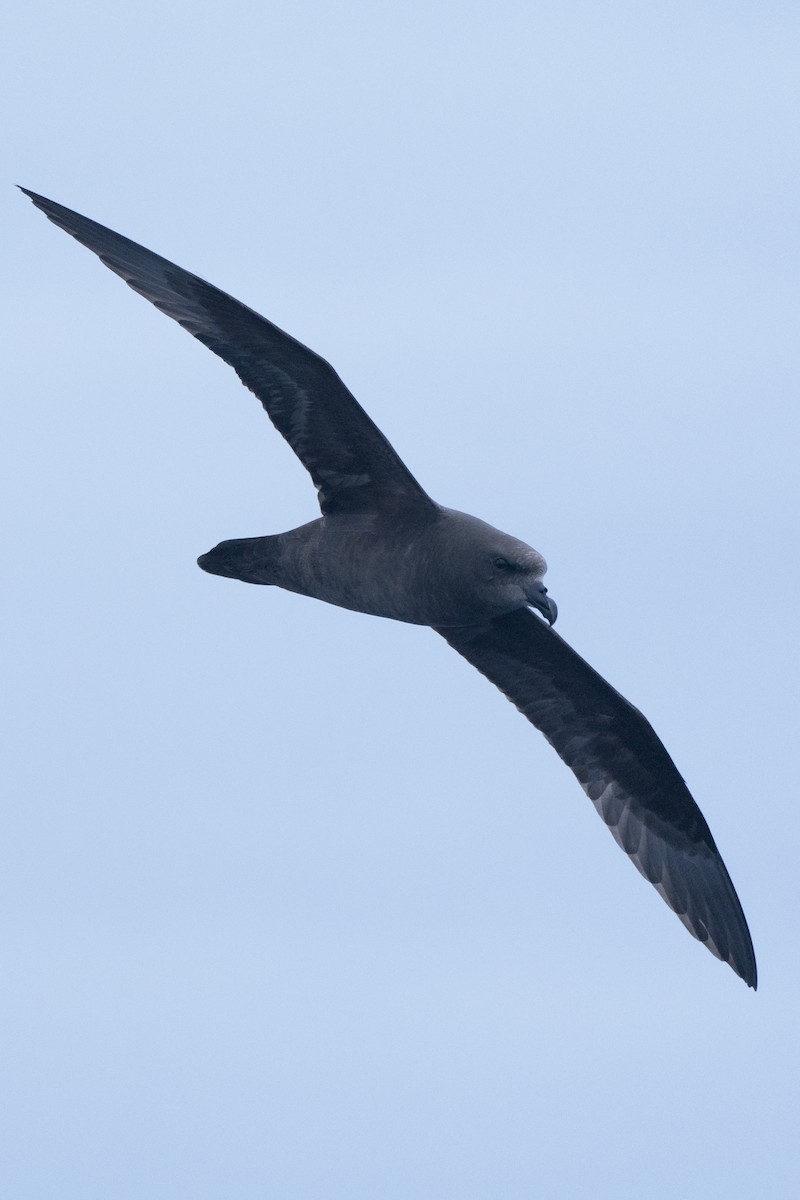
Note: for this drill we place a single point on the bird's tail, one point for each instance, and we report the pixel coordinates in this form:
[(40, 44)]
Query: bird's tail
[(253, 560)]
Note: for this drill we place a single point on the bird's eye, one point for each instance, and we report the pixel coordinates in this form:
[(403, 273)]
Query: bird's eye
[(502, 564)]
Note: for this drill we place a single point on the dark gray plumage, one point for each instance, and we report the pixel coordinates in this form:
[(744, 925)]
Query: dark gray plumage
[(382, 546)]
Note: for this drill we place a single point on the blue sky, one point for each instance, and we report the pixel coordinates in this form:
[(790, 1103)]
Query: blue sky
[(294, 904)]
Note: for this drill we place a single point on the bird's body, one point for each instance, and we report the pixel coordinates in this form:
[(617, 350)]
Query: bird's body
[(383, 546), (438, 567)]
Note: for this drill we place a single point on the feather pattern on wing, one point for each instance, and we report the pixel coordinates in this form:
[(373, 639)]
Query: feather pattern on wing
[(624, 769), (350, 461)]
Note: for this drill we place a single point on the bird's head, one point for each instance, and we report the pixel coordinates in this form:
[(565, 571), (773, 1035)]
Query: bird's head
[(512, 577), (494, 572)]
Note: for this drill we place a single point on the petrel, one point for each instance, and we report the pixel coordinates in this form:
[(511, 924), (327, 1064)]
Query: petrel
[(383, 546)]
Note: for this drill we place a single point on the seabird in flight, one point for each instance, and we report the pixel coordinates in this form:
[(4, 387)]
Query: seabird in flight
[(383, 546)]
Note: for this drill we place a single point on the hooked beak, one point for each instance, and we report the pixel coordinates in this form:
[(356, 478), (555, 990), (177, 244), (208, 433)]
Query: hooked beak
[(539, 599)]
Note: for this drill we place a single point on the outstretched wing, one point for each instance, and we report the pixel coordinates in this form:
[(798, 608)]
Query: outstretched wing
[(350, 461), (624, 769)]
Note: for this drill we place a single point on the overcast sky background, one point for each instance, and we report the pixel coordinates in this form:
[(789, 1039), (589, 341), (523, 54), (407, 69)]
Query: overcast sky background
[(293, 904)]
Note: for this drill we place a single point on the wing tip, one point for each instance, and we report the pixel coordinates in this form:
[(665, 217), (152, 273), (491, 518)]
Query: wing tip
[(748, 971), (48, 207)]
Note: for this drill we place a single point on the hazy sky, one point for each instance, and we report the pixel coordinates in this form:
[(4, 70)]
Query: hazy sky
[(294, 904)]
